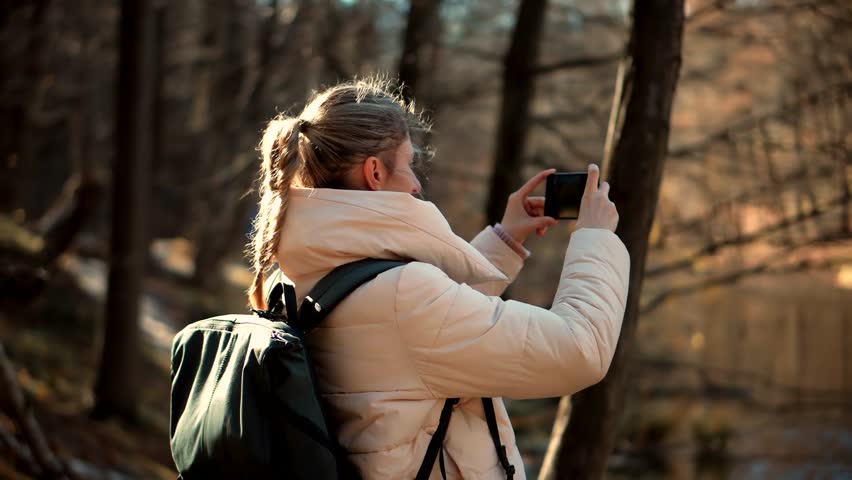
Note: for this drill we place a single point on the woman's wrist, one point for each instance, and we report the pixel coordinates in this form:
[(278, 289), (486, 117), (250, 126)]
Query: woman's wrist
[(509, 240)]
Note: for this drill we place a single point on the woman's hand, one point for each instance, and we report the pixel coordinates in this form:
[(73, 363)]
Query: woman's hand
[(596, 210), (524, 214)]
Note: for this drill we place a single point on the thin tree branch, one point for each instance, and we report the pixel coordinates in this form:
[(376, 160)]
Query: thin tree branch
[(234, 171), (23, 415), (711, 7), (568, 143), (764, 267), (572, 116), (454, 172), (623, 85), (791, 179), (762, 8), (754, 378), (19, 450), (484, 55), (477, 88), (714, 247), (580, 62), (752, 122)]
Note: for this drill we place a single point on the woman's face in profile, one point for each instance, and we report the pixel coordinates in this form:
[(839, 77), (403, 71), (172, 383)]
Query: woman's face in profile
[(403, 178)]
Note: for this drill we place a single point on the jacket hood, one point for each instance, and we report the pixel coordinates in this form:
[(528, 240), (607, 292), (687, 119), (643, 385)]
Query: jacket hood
[(325, 228)]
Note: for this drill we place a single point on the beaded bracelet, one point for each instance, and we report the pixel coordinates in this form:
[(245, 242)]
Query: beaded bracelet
[(511, 242)]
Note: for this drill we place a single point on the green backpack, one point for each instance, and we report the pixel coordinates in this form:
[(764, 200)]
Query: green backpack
[(244, 400)]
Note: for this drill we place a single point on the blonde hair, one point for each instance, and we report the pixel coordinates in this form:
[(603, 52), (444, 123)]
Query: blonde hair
[(338, 129)]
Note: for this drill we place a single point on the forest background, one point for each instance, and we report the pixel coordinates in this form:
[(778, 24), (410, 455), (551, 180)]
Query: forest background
[(128, 134)]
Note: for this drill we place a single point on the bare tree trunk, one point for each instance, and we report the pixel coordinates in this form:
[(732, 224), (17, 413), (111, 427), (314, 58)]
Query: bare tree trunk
[(158, 71), (422, 17), (636, 173), (329, 29), (115, 390), (215, 214), (419, 55), (518, 90), (16, 129)]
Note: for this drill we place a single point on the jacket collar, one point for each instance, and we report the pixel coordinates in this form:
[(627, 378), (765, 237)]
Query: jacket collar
[(325, 228)]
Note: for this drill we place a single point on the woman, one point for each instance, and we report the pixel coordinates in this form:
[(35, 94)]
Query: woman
[(337, 186)]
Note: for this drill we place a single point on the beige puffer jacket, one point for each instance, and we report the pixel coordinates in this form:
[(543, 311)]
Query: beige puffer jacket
[(392, 351)]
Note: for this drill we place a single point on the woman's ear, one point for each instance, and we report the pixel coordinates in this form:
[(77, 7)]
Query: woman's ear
[(374, 173)]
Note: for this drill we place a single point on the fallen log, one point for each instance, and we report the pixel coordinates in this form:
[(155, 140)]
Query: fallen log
[(22, 413)]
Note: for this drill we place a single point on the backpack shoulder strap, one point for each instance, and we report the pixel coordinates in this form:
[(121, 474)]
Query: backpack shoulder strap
[(436, 445), (335, 286), (491, 420)]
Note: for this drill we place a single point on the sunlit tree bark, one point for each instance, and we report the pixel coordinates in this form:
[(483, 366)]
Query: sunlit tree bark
[(635, 175)]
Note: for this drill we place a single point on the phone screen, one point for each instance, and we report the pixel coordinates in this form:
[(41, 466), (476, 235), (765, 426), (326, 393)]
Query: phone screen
[(563, 195)]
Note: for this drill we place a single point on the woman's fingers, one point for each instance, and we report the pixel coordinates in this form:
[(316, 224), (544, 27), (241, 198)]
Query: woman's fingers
[(534, 182), (592, 180), (596, 209), (534, 206), (536, 202), (535, 211), (542, 224)]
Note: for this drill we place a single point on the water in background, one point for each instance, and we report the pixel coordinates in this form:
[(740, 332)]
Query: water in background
[(751, 381)]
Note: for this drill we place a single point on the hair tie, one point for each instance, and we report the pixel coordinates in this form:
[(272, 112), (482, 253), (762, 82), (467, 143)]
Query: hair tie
[(303, 124)]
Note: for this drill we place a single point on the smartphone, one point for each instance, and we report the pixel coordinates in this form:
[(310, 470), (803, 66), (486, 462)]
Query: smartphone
[(563, 195)]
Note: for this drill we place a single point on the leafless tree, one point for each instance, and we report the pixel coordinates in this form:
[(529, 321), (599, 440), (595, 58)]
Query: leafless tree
[(116, 389), (587, 438)]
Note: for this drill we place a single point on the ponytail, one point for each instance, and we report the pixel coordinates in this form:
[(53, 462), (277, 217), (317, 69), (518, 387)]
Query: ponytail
[(335, 132), (281, 162)]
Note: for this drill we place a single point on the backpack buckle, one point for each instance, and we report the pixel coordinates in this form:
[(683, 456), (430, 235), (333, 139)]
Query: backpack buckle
[(316, 304)]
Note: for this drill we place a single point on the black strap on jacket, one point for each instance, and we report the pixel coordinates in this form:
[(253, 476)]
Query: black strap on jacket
[(334, 287), (436, 445), (491, 419)]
